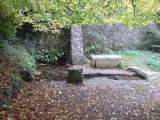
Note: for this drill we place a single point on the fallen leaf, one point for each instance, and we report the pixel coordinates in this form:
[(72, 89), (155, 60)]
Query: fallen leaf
[(60, 92)]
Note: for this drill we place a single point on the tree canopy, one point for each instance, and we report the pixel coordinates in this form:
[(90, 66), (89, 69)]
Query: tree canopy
[(47, 15)]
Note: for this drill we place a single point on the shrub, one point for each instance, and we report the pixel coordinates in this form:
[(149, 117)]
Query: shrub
[(131, 52), (151, 37), (154, 62), (121, 65), (97, 38), (51, 56), (94, 48), (118, 46), (7, 30), (18, 55)]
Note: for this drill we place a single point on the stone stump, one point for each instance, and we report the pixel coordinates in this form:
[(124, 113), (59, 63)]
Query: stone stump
[(74, 75), (26, 75)]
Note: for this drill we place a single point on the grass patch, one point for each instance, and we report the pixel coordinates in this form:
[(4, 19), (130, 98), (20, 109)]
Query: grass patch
[(139, 58), (154, 62)]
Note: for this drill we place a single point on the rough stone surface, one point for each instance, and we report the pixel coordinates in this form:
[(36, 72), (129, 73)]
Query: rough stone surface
[(77, 54), (6, 96), (120, 34), (74, 75), (146, 74), (51, 40), (6, 93), (26, 75)]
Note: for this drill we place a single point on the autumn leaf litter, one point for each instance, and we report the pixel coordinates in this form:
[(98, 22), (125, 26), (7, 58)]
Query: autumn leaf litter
[(111, 100)]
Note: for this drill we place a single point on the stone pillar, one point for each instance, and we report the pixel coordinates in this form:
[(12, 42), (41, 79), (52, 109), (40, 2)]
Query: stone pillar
[(77, 54), (75, 75)]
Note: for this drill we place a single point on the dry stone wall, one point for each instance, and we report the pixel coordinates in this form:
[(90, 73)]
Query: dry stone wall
[(59, 40), (119, 33)]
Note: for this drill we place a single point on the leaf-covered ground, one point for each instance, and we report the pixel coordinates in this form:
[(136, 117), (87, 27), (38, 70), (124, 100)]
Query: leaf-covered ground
[(91, 100)]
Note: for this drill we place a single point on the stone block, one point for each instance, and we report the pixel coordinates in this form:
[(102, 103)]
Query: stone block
[(26, 75), (75, 75), (107, 64), (104, 61)]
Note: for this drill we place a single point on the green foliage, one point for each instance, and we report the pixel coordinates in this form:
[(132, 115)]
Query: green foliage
[(154, 62), (9, 18), (46, 15), (118, 46), (96, 38), (94, 48), (7, 30), (109, 51), (131, 12), (2, 45), (51, 56), (18, 55), (152, 37), (132, 52), (135, 58), (96, 44), (121, 65), (49, 15), (138, 58)]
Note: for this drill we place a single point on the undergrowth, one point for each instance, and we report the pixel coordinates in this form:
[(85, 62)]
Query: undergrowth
[(51, 56), (154, 62), (17, 55), (135, 58)]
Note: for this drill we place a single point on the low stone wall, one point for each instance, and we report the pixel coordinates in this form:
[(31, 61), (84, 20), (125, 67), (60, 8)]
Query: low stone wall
[(6, 93), (59, 40)]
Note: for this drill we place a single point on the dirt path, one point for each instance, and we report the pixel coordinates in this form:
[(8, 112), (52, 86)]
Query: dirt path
[(91, 100)]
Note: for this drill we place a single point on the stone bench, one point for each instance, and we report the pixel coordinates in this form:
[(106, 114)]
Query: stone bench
[(105, 61), (155, 46)]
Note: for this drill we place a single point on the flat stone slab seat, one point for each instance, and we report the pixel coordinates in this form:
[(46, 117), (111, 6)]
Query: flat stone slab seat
[(145, 74), (155, 46), (75, 75), (105, 61)]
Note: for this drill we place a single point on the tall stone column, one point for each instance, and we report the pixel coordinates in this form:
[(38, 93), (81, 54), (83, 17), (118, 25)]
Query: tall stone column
[(77, 54)]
